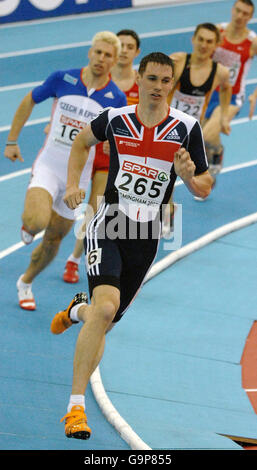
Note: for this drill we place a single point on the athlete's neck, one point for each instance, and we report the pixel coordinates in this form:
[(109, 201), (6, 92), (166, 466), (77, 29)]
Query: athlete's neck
[(93, 81), (123, 76), (152, 115), (234, 33), (197, 62)]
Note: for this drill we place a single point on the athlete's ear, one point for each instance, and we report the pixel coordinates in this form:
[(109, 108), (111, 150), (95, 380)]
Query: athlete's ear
[(138, 52), (89, 52), (137, 77)]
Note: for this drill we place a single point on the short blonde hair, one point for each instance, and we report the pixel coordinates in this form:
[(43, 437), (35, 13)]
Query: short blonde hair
[(110, 38)]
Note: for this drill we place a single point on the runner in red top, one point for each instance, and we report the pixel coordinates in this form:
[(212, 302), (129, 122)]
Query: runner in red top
[(238, 47)]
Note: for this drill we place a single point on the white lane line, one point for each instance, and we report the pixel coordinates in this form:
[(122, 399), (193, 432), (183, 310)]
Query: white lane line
[(242, 120), (250, 81), (15, 174), (102, 13), (40, 50), (72, 45), (33, 122), (19, 86), (17, 246)]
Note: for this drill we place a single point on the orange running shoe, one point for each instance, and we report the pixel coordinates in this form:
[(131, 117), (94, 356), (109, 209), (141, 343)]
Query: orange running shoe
[(62, 320), (71, 273), (76, 423)]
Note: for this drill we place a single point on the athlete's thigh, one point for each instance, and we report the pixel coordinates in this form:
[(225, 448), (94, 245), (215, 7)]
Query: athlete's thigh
[(58, 227), (138, 257)]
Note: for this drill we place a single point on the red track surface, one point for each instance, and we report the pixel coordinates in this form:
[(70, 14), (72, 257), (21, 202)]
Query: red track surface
[(249, 370)]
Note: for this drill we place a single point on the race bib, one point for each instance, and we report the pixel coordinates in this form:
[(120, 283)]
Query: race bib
[(66, 129), (231, 60), (141, 187), (72, 113), (189, 104)]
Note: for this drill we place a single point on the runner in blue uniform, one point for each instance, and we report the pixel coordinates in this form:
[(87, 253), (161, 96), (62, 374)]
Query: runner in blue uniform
[(150, 145), (78, 96)]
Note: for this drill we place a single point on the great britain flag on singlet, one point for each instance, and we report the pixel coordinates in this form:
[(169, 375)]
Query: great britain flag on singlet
[(141, 173)]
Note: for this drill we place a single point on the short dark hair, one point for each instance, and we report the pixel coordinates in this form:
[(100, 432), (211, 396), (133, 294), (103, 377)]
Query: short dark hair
[(247, 2), (211, 27), (157, 58), (130, 32)]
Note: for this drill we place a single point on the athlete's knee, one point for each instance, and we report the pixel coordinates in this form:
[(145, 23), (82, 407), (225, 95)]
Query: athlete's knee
[(106, 310), (35, 222)]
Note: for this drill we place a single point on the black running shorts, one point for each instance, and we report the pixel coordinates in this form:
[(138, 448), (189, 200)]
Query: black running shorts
[(122, 261)]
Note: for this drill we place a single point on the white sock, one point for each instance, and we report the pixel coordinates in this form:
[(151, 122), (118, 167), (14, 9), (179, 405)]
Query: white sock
[(74, 311), (76, 400), (22, 283), (73, 259)]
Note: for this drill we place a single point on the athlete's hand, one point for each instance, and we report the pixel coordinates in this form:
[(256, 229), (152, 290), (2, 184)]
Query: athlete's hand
[(183, 164), (225, 125), (252, 100), (74, 197), (13, 153)]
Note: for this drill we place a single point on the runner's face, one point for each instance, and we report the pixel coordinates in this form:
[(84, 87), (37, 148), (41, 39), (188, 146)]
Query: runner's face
[(241, 14), (156, 83), (128, 50), (102, 57), (204, 43)]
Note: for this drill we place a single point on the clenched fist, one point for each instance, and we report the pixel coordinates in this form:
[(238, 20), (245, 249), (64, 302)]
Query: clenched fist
[(13, 153), (73, 197), (183, 164)]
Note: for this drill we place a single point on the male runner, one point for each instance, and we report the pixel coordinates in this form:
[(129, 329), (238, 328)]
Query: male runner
[(79, 95), (238, 47), (145, 159), (124, 75), (196, 77)]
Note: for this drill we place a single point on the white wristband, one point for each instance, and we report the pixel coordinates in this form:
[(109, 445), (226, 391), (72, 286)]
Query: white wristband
[(11, 142)]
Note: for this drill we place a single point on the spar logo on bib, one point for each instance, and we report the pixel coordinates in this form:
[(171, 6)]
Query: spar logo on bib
[(142, 170)]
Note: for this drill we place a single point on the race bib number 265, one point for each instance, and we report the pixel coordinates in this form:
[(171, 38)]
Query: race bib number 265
[(142, 183)]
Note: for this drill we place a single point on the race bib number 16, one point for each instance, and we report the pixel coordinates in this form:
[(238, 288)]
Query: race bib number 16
[(67, 129)]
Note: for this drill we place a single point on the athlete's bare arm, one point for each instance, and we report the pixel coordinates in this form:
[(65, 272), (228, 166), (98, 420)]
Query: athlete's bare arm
[(20, 118), (184, 166), (252, 99), (179, 59), (225, 93), (253, 49), (77, 160)]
